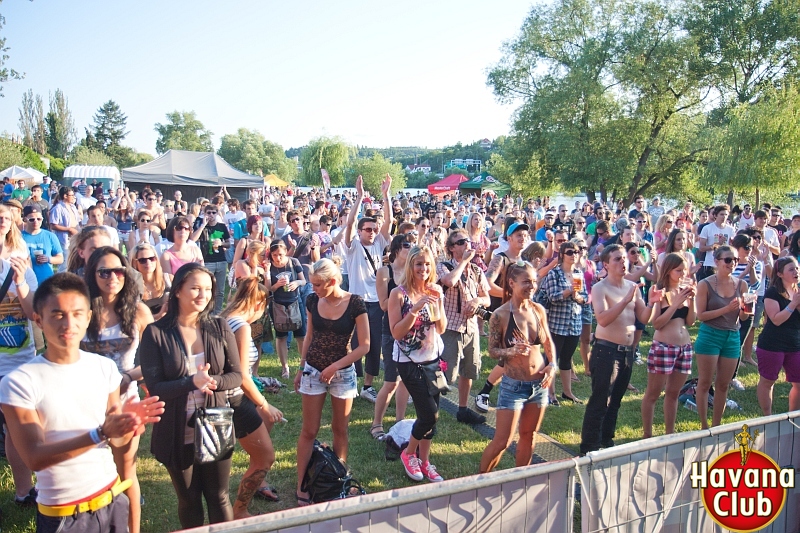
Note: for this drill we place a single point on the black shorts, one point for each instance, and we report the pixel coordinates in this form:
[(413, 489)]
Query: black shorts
[(245, 416)]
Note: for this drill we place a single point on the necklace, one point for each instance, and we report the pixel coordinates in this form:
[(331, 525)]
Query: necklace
[(341, 299)]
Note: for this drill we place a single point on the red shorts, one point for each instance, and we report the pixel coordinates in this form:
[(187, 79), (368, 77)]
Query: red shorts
[(669, 358)]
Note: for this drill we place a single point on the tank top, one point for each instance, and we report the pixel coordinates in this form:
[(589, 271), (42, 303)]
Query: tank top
[(422, 344), (124, 224), (728, 321), (114, 344), (236, 322), (391, 285), (682, 312)]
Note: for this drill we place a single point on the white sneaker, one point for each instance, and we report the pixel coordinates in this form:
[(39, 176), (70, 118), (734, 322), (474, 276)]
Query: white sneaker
[(736, 384), (430, 473), (369, 393), (482, 403)]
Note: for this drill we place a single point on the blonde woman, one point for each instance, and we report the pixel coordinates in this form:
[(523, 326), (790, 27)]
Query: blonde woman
[(156, 286), (479, 241), (417, 320), (255, 263), (144, 231), (664, 226)]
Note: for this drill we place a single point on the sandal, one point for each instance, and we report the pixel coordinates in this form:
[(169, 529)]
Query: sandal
[(269, 494), (745, 361), (377, 434), (632, 388), (302, 502)]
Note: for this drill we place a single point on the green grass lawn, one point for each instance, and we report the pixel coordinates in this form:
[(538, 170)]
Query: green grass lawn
[(456, 450)]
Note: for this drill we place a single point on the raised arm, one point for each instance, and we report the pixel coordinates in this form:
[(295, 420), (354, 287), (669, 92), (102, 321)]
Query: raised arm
[(350, 225), (386, 187)]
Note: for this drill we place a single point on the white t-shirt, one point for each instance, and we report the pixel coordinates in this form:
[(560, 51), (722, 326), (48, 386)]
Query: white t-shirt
[(340, 249), (745, 223), (71, 400), (360, 273), (715, 235), (771, 237)]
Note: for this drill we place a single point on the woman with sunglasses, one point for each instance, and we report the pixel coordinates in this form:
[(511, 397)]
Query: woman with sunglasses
[(255, 233), (720, 309), (145, 231), (183, 250), (417, 320), (284, 282), (750, 270), (589, 270), (156, 286), (191, 360), (479, 241), (664, 225), (564, 286), (779, 342), (669, 361), (253, 417), (386, 280), (118, 320), (518, 335)]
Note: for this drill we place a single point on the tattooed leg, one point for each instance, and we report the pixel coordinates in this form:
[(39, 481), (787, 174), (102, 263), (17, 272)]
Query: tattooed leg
[(247, 488)]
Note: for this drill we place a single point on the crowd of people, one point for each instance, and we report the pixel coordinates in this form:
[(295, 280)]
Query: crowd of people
[(146, 310)]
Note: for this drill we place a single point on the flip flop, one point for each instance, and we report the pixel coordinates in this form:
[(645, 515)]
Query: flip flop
[(632, 388), (302, 502), (377, 434), (269, 494), (752, 363)]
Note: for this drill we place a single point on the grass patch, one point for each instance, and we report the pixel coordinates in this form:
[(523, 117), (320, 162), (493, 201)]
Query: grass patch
[(456, 450)]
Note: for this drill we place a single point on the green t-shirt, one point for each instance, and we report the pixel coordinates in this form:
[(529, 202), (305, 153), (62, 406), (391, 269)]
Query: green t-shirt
[(21, 194)]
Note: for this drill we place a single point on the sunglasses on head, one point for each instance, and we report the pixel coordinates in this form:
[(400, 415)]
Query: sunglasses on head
[(105, 273), (145, 260)]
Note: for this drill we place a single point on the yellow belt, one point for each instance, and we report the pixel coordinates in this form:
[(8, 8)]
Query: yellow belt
[(95, 504)]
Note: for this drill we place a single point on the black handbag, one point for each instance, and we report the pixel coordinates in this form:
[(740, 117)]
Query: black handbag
[(434, 377), (214, 438)]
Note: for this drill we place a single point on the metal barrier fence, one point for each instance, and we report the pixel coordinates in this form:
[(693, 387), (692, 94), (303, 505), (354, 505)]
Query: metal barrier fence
[(641, 486)]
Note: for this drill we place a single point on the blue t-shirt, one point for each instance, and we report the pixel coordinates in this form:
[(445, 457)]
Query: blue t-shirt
[(47, 242), (8, 190)]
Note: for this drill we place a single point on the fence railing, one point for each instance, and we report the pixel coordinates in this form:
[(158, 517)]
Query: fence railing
[(641, 486)]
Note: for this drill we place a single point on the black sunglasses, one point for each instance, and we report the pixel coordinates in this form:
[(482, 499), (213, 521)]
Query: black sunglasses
[(571, 252), (145, 260), (728, 260), (106, 273), (459, 242), (407, 244)]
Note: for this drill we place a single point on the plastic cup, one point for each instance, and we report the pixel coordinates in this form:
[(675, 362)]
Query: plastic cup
[(749, 300), (577, 282)]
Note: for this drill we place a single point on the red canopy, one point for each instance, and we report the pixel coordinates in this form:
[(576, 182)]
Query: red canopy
[(448, 184)]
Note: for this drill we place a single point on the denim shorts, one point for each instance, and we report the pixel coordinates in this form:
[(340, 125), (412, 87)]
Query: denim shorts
[(516, 394), (343, 385)]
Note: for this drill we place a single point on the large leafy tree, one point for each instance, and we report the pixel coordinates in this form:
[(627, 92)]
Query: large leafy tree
[(330, 153), (249, 151), (610, 95), (109, 126), (61, 135), (32, 122), (183, 131), (373, 170), (83, 155)]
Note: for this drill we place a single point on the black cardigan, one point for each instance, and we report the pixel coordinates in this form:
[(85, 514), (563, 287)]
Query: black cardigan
[(166, 376)]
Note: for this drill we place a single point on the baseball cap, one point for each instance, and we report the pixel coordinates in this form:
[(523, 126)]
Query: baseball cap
[(516, 226), (30, 209), (622, 223)]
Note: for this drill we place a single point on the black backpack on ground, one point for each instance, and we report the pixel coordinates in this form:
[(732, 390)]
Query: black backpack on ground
[(328, 477)]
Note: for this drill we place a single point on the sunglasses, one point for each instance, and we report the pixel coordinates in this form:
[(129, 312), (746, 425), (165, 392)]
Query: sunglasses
[(370, 229), (34, 219), (294, 220), (424, 225), (407, 244), (571, 252), (183, 228), (144, 220), (635, 251), (105, 273), (728, 260), (145, 260), (459, 242), (560, 241), (211, 212), (668, 222)]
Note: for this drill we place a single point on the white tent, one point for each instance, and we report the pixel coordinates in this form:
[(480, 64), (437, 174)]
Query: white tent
[(195, 169), (29, 175), (90, 172)]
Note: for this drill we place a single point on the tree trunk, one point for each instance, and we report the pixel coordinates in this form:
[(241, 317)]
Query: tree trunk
[(591, 196), (757, 204), (730, 198)]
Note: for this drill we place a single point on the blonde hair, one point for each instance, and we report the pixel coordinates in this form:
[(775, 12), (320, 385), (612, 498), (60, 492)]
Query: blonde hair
[(326, 270), (74, 259), (160, 284), (13, 240), (479, 229), (254, 250), (408, 271)]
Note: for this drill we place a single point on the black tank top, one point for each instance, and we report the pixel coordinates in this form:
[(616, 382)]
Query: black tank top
[(682, 312)]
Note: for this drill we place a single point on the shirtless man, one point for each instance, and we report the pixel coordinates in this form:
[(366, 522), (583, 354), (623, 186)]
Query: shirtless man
[(616, 303)]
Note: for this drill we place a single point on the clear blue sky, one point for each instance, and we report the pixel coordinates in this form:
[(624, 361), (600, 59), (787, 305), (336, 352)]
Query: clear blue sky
[(376, 73)]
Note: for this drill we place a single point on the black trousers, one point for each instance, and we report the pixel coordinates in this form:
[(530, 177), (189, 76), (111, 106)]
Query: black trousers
[(611, 373), (426, 405), (209, 481), (565, 348)]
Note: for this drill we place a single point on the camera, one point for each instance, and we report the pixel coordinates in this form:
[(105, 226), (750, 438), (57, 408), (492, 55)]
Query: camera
[(483, 313)]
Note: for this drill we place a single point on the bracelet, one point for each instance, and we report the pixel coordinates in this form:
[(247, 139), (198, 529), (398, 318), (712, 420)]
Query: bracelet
[(263, 404), (97, 435), (22, 284)]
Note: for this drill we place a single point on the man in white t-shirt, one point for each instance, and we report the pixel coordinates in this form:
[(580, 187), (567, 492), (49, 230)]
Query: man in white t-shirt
[(363, 258), (63, 412), (746, 219), (770, 235), (714, 235)]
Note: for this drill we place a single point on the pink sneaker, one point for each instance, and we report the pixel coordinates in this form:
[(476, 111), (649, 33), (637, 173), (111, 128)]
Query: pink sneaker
[(429, 471), (411, 465)]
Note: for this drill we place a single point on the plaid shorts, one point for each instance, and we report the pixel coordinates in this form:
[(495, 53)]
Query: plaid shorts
[(669, 358)]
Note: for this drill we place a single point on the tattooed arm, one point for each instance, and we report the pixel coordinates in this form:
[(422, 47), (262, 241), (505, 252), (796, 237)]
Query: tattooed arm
[(497, 324)]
